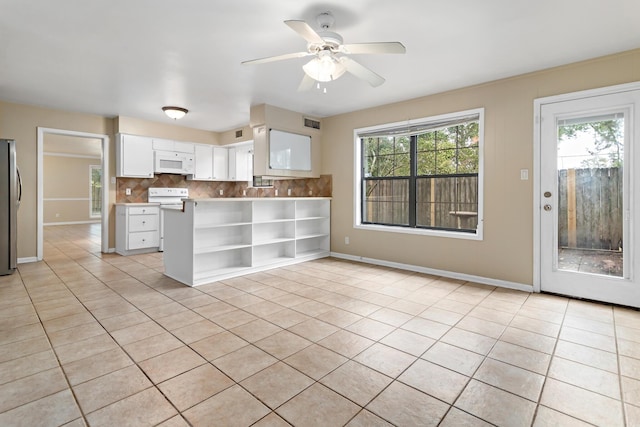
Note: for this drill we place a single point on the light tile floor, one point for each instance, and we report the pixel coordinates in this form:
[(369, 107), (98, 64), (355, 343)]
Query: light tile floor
[(87, 338)]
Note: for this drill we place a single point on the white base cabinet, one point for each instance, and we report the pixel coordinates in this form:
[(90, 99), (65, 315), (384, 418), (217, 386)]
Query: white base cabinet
[(215, 239), (137, 228)]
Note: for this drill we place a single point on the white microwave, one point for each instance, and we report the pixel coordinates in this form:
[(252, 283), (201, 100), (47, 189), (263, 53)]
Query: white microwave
[(172, 162)]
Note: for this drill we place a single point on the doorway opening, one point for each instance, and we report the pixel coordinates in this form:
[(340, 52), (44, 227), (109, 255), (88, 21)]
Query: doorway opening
[(75, 145)]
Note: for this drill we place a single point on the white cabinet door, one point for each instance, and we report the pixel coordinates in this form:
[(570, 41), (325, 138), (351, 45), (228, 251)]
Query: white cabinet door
[(134, 157), (203, 169), (241, 163), (244, 163), (232, 163), (220, 163), (170, 145)]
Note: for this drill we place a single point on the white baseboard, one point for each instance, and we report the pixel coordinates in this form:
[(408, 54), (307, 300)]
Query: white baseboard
[(71, 223), (434, 272), (27, 259)]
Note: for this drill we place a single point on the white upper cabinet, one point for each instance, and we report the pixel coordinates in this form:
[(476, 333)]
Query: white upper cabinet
[(134, 157), (241, 163), (211, 163), (220, 164), (170, 145), (203, 168)]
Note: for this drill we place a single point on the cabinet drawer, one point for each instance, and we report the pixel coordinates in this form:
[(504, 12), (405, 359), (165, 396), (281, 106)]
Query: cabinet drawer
[(143, 223), (143, 239), (144, 210)]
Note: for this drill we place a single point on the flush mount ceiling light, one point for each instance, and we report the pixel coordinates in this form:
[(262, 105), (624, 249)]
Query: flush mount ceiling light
[(175, 112)]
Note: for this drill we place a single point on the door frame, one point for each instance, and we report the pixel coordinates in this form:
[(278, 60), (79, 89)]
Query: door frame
[(537, 152), (42, 131)]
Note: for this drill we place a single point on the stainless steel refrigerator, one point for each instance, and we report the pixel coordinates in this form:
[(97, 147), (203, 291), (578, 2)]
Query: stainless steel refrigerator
[(10, 194)]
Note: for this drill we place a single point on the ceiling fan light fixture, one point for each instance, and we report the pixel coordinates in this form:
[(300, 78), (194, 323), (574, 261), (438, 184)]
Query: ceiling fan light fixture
[(324, 68), (175, 113)]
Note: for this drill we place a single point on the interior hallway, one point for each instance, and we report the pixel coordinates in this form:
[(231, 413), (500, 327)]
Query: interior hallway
[(100, 339)]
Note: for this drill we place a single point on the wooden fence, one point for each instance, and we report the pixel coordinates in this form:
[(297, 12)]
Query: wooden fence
[(589, 211), (590, 208), (441, 202)]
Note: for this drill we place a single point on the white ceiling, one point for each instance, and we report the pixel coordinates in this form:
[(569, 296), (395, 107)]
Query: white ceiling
[(131, 57)]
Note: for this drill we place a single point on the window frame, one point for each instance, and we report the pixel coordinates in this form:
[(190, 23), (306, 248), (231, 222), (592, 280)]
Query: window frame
[(93, 215), (425, 121)]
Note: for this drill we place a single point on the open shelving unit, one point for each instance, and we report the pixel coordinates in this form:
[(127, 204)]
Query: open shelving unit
[(215, 239)]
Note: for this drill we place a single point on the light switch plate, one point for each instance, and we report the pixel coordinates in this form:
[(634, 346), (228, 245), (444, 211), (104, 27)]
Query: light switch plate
[(524, 174)]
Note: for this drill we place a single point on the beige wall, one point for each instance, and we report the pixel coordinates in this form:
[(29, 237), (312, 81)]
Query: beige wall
[(506, 253), (67, 177), (20, 122)]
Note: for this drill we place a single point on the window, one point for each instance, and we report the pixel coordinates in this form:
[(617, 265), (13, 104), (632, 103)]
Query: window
[(423, 176), (95, 191)]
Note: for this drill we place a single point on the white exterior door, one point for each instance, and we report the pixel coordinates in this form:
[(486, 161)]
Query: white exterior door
[(588, 195)]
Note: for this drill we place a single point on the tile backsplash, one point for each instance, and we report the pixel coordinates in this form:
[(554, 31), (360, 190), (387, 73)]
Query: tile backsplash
[(305, 187)]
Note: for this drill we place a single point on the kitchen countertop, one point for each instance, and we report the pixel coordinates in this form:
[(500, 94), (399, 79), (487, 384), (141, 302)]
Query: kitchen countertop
[(253, 199), (137, 204)]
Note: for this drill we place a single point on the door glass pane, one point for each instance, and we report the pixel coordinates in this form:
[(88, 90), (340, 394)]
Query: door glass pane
[(590, 195)]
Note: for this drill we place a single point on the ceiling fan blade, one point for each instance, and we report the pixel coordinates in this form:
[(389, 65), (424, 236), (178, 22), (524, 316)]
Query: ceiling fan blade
[(306, 83), (362, 72), (305, 31), (383, 47), (276, 58)]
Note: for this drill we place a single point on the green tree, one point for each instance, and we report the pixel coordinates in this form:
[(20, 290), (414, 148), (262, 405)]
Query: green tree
[(607, 138), (444, 151)]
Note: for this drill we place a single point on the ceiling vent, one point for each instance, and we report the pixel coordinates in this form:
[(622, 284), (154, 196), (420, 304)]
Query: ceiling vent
[(239, 133), (310, 123)]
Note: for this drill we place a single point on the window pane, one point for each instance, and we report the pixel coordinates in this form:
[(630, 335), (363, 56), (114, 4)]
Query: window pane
[(386, 201), (96, 191), (427, 163), (448, 202), (468, 160)]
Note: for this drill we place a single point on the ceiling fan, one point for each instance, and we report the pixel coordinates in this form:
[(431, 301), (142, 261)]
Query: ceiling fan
[(331, 57)]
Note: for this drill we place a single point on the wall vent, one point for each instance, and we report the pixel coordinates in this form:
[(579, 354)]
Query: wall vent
[(239, 133), (310, 123)]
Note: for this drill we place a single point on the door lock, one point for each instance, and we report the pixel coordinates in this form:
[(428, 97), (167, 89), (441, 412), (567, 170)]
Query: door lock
[(547, 207), (547, 194)]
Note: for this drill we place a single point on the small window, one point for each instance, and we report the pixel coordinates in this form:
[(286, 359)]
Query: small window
[(95, 191), (259, 181), (422, 177)]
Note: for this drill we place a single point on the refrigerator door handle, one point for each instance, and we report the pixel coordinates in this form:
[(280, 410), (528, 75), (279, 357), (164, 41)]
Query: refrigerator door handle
[(19, 186)]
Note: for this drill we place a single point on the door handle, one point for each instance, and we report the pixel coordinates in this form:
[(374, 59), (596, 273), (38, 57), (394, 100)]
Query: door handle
[(547, 207)]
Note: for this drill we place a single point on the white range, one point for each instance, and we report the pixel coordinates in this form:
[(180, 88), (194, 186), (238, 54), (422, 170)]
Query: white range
[(169, 198)]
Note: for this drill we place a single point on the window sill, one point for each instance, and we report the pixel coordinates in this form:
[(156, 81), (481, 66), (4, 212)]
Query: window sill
[(422, 232)]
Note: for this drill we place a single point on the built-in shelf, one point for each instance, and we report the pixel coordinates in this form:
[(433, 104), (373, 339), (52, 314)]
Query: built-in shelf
[(214, 239)]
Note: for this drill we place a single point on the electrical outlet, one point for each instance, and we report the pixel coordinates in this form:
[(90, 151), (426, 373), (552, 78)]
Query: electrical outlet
[(289, 192), (244, 192), (127, 191), (310, 193), (346, 240), (221, 192), (57, 215), (276, 192)]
